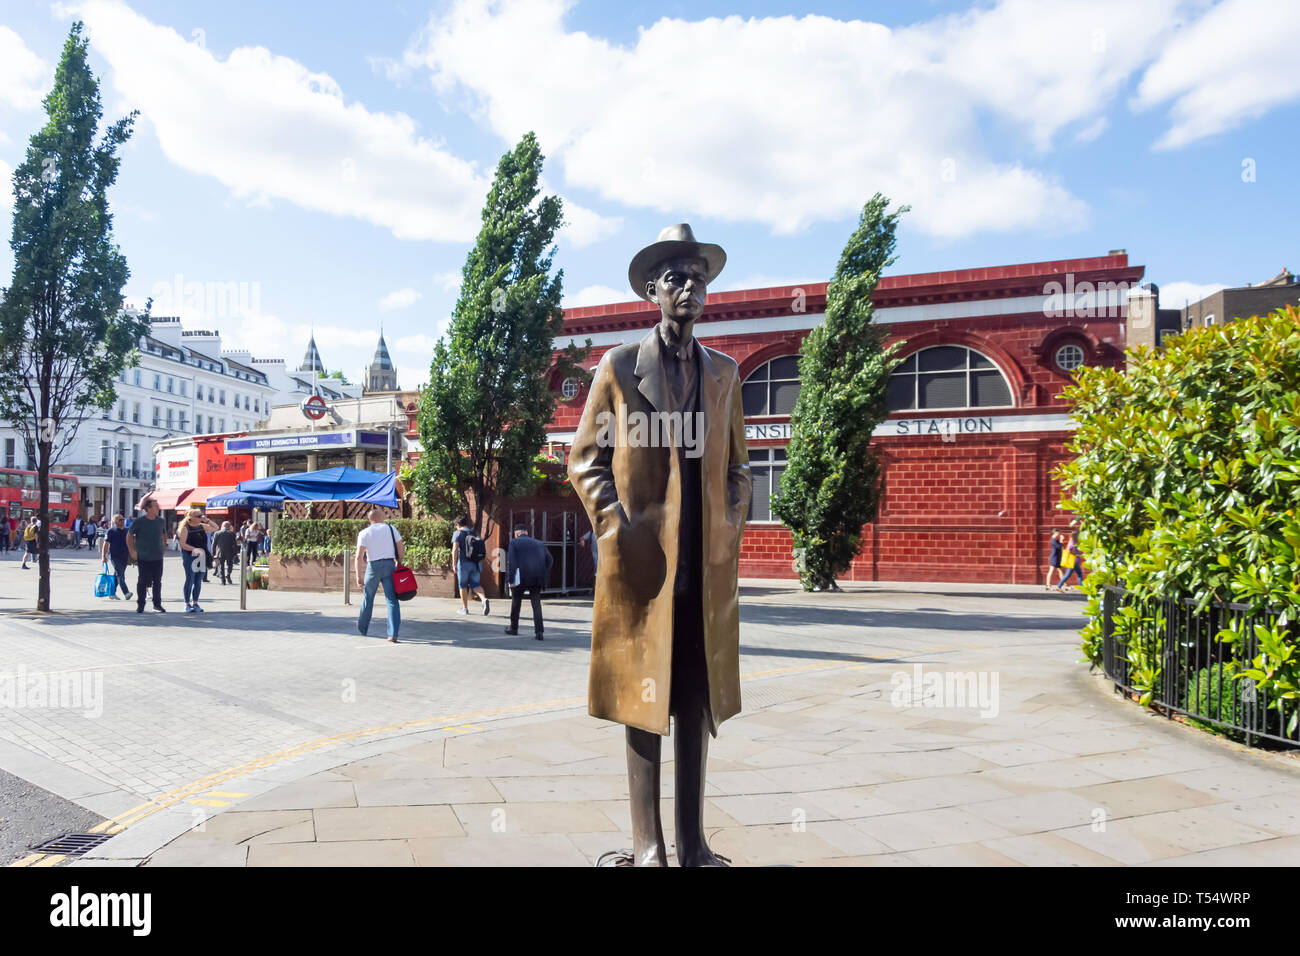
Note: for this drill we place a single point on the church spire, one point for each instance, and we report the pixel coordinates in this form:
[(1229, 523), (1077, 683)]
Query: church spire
[(311, 359), (381, 374)]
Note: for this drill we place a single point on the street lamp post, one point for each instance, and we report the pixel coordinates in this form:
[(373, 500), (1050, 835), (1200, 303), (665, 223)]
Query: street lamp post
[(116, 447)]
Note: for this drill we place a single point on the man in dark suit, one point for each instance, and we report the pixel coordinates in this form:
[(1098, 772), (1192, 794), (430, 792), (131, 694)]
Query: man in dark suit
[(528, 565)]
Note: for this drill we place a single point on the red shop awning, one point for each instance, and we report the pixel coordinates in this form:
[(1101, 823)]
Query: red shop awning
[(198, 498), (167, 498)]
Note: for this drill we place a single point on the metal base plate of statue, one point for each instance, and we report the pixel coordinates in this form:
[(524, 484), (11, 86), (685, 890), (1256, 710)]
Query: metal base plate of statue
[(660, 463)]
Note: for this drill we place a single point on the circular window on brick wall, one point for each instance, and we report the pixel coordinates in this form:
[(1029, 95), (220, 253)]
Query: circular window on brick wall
[(1069, 357), (569, 389)]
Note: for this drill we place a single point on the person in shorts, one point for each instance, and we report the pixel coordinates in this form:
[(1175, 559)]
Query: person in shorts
[(468, 572), (1054, 557), (32, 540)]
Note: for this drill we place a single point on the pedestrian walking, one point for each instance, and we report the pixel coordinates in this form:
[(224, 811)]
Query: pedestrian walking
[(1054, 557), (528, 563), (252, 541), (192, 534), (31, 540), (1071, 561), (147, 542), (4, 534), (91, 529), (115, 552), (76, 533), (379, 549), (225, 548), (588, 540), (467, 553)]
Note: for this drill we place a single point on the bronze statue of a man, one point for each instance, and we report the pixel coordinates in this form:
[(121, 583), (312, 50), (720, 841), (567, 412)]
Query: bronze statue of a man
[(660, 463)]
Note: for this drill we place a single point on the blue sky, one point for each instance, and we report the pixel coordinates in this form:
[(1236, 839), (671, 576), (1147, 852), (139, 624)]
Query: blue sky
[(331, 158)]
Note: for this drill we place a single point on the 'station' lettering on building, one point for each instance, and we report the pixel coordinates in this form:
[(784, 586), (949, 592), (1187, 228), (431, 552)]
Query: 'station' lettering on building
[(941, 426)]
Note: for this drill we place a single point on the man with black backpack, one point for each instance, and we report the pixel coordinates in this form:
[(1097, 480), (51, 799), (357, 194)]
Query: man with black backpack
[(467, 554)]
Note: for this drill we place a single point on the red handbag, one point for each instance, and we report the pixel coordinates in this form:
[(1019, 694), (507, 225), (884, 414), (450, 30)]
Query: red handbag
[(404, 583)]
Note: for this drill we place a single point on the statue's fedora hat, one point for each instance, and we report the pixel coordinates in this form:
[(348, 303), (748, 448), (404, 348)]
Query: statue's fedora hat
[(674, 242)]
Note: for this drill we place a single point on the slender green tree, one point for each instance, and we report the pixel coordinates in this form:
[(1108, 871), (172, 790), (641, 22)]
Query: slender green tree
[(484, 412), (64, 336), (830, 488)]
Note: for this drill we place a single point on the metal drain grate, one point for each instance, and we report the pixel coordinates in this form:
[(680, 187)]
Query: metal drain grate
[(72, 844)]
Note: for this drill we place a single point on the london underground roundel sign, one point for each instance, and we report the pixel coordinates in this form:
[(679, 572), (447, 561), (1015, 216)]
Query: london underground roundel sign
[(314, 407)]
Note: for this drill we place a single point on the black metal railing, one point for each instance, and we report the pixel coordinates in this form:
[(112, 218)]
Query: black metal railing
[(1172, 649)]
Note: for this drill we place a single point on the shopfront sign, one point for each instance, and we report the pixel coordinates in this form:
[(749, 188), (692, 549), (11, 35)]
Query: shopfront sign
[(177, 468), (216, 467), (305, 441)]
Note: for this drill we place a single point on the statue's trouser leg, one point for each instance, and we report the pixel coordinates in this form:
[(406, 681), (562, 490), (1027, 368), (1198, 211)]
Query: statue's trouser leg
[(643, 750), (691, 754), (689, 706)]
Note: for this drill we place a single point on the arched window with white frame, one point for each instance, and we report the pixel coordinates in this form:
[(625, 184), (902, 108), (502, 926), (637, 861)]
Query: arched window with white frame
[(771, 389), (947, 376)]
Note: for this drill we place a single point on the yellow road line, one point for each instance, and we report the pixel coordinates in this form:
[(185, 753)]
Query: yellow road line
[(208, 803), (28, 860), (51, 860), (220, 793), (454, 722)]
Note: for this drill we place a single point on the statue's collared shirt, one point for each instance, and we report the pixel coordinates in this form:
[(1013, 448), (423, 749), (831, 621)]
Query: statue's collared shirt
[(681, 364)]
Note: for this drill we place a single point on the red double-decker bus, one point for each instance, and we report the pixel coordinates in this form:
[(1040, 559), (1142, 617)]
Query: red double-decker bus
[(21, 498)]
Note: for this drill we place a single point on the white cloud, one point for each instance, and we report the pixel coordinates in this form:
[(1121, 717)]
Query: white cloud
[(270, 128), (6, 185), (24, 76), (583, 226), (597, 295), (447, 281), (413, 353), (1232, 65), (1090, 132), (788, 121), (1174, 295), (400, 299)]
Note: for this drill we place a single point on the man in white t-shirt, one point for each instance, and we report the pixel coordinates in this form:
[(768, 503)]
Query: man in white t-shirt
[(379, 548)]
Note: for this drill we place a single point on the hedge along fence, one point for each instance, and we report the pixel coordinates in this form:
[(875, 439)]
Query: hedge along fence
[(428, 540), (1186, 483)]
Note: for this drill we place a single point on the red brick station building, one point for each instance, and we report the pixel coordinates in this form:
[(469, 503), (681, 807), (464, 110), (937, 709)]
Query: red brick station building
[(977, 422)]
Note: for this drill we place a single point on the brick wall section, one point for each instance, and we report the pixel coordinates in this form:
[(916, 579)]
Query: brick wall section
[(983, 513)]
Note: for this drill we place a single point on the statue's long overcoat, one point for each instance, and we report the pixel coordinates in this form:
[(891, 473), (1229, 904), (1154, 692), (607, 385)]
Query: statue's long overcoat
[(632, 492)]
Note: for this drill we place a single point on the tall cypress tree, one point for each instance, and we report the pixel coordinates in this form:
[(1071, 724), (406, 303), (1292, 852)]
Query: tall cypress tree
[(63, 334), (830, 488), (484, 413)]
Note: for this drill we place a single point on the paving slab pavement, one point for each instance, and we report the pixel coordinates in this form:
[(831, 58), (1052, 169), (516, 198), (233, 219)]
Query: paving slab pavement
[(876, 785), (278, 735)]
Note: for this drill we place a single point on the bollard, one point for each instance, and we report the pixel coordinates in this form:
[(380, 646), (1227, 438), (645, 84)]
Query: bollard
[(347, 578), (243, 577)]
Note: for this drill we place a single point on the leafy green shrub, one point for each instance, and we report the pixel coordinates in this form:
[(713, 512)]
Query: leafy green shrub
[(428, 540), (1186, 481), (1214, 693)]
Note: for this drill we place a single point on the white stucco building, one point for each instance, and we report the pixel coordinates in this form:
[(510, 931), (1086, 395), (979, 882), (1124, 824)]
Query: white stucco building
[(184, 385)]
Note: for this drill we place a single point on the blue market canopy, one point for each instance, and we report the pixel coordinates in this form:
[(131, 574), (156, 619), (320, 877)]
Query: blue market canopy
[(336, 484), (382, 492), (242, 499)]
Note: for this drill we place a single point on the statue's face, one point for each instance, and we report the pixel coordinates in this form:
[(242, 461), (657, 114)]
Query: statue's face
[(680, 289)]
